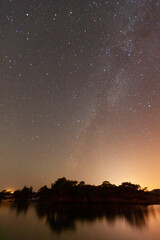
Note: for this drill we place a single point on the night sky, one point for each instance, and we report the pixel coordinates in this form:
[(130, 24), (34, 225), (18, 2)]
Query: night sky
[(79, 92)]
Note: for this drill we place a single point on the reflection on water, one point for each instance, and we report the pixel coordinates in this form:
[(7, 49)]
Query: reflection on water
[(68, 220), (62, 217)]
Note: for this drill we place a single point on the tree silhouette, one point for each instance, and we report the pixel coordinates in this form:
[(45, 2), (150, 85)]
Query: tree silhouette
[(65, 190)]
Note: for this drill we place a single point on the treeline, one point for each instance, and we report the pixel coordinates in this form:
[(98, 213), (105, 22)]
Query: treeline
[(64, 190)]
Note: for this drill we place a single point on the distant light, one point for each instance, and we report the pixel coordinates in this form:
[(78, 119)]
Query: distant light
[(9, 190)]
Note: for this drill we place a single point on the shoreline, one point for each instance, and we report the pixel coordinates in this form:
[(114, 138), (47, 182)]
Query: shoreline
[(110, 202)]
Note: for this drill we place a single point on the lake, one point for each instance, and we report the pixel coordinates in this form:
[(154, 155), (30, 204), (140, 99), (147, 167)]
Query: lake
[(79, 222)]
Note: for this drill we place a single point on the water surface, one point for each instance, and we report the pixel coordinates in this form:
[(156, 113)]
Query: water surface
[(79, 222)]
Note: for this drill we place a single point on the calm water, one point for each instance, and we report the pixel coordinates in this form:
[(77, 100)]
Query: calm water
[(67, 222)]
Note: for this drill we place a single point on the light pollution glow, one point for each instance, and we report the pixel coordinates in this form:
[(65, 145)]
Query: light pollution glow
[(80, 92)]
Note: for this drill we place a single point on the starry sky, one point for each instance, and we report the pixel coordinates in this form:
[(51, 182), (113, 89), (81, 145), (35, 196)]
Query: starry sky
[(79, 92)]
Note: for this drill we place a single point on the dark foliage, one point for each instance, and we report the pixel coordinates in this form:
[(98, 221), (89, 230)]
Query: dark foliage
[(64, 190), (24, 194)]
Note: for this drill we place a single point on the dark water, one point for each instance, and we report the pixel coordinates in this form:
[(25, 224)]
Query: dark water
[(80, 222)]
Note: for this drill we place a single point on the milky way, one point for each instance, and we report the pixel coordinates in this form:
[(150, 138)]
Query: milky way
[(79, 91)]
